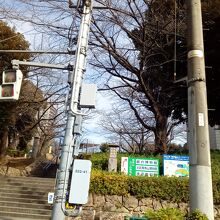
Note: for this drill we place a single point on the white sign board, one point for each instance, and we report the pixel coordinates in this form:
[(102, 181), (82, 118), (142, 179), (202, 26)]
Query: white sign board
[(50, 197), (124, 165), (79, 187)]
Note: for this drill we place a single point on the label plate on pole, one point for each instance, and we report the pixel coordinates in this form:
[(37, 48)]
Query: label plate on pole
[(79, 187)]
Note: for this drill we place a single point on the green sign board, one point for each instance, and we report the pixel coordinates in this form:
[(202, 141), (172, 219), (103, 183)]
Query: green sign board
[(140, 166)]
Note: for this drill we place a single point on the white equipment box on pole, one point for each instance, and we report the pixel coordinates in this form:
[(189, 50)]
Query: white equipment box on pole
[(79, 187), (88, 95)]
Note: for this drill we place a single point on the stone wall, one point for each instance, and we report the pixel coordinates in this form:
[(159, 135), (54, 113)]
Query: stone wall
[(107, 207)]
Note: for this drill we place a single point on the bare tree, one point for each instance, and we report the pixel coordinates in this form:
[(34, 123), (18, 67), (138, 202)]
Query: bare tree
[(50, 116), (37, 114), (122, 128), (51, 84), (132, 45)]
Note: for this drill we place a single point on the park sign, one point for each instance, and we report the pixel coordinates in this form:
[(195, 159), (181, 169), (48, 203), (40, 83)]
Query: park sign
[(175, 165), (140, 166)]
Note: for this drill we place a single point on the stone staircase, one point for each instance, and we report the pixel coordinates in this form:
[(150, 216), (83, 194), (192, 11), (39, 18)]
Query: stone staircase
[(25, 198)]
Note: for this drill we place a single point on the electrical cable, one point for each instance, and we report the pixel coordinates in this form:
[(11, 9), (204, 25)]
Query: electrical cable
[(175, 38)]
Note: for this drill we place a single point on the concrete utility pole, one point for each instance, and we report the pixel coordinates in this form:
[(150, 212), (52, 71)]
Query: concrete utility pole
[(201, 196)]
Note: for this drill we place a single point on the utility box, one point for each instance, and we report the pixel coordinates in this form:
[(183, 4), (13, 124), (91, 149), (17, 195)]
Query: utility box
[(77, 129), (88, 95), (79, 187)]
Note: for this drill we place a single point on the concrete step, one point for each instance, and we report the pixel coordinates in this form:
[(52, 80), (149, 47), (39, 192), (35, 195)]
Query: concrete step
[(33, 191), (27, 180), (28, 188), (17, 204), (18, 195), (25, 210), (15, 218), (23, 200), (9, 216), (24, 181)]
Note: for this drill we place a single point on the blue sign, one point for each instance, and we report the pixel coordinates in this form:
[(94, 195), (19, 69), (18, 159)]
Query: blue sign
[(175, 165)]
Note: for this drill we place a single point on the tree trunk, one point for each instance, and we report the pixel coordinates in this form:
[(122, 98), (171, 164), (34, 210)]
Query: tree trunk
[(161, 135), (3, 140), (13, 141), (35, 148), (44, 146)]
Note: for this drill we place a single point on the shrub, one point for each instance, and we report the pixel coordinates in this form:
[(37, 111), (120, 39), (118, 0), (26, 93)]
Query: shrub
[(174, 214), (166, 188), (104, 147), (171, 189), (16, 153), (100, 161), (108, 183), (165, 214), (197, 215)]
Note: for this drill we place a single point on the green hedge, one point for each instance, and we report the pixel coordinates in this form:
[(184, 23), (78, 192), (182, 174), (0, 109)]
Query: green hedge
[(100, 161), (165, 214), (109, 183), (175, 189), (174, 214), (166, 188)]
